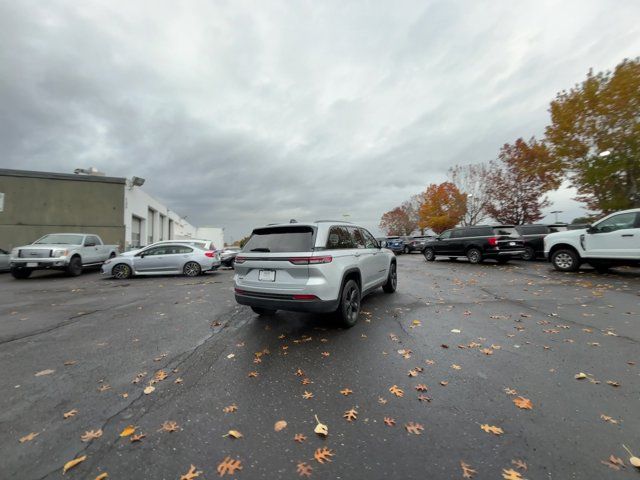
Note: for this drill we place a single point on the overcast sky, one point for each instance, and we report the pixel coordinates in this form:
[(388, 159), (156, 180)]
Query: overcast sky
[(244, 113)]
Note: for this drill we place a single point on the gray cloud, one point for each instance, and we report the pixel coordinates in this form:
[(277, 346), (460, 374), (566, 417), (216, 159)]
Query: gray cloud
[(241, 113)]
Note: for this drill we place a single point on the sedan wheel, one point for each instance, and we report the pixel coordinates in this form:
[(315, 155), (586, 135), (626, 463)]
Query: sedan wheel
[(192, 269), (121, 271)]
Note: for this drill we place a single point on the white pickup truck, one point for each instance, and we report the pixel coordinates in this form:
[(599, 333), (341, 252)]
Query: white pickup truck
[(611, 241), (60, 251)]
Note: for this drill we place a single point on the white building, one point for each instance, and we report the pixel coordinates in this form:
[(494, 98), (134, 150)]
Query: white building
[(147, 220)]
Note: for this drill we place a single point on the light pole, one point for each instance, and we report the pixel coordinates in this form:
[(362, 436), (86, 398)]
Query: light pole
[(557, 212)]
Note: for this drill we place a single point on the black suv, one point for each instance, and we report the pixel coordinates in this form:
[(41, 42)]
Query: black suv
[(477, 243), (534, 234)]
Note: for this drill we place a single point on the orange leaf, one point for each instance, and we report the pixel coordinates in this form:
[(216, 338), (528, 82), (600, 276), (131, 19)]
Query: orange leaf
[(492, 429), (323, 455), (467, 471), (397, 391), (414, 428), (228, 466), (28, 438), (389, 422), (350, 415), (523, 403), (191, 474), (72, 463), (280, 425), (129, 430), (91, 435), (304, 470)]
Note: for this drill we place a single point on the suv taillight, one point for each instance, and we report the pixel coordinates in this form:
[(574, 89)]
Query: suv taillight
[(493, 241), (241, 259), (310, 260)]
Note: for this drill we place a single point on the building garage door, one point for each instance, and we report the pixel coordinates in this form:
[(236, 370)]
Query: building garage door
[(136, 227)]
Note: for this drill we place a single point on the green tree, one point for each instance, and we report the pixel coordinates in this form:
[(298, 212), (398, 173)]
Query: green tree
[(600, 115)]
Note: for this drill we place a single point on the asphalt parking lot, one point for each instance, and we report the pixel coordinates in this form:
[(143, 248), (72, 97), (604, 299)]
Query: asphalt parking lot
[(490, 348)]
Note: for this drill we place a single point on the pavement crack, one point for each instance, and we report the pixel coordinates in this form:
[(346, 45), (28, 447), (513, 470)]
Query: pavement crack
[(71, 320)]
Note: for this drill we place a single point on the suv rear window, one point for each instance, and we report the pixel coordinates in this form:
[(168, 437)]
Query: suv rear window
[(281, 239), (505, 232)]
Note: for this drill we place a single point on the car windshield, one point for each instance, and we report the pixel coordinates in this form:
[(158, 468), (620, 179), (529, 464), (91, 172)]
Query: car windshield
[(60, 239), (281, 239)]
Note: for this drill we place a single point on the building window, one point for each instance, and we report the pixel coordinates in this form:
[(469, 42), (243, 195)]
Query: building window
[(150, 226)]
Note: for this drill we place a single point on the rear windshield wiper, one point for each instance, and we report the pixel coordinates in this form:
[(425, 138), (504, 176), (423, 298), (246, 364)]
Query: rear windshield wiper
[(260, 250)]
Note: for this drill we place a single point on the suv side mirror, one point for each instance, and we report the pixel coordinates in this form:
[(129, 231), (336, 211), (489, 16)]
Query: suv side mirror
[(592, 229)]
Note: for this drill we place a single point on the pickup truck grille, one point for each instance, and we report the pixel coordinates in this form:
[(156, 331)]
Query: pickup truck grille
[(34, 253)]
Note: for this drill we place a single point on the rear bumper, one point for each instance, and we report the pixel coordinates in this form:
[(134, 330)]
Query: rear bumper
[(285, 302), (504, 254)]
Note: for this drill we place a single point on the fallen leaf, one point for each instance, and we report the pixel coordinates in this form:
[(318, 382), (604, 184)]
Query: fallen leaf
[(510, 391), (520, 464), (491, 429), (397, 391), (609, 419), (230, 408), (253, 374), (421, 387), (307, 395), (304, 470), (70, 413), (346, 392), (137, 437), (72, 463), (511, 474), (389, 422), (234, 434), (44, 372), (523, 403), (229, 466), (612, 383), (467, 471), (613, 462), (160, 375), (28, 438), (104, 387), (299, 437), (633, 460), (350, 415), (456, 367), (580, 376), (149, 389), (91, 435), (102, 476), (280, 425), (444, 383), (321, 428), (487, 351), (424, 398), (169, 426), (414, 428), (191, 474), (299, 372), (129, 430), (323, 455)]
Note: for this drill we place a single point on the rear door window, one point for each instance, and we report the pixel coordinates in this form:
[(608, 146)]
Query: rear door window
[(281, 240), (339, 238), (358, 239), (506, 232)]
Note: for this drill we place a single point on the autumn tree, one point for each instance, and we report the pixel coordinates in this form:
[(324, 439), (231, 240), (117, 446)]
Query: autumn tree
[(472, 179), (598, 116), (399, 221), (518, 181), (443, 206)]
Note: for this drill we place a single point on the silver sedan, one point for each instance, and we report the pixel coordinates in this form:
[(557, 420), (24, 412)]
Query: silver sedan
[(174, 259)]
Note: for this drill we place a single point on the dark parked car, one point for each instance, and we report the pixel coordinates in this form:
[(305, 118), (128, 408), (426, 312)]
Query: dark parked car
[(480, 242), (395, 244), (534, 234), (416, 244)]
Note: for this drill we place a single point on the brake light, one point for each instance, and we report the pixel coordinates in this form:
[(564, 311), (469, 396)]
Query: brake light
[(210, 254), (241, 259), (311, 260), (493, 241), (305, 297)]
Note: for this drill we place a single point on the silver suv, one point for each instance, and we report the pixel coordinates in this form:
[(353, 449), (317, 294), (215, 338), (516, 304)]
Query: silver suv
[(324, 266)]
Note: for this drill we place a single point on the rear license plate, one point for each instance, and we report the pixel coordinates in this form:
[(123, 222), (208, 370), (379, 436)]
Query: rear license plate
[(267, 275), (512, 244), (32, 264)]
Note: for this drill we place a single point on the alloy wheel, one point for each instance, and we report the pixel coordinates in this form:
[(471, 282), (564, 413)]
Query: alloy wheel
[(563, 260)]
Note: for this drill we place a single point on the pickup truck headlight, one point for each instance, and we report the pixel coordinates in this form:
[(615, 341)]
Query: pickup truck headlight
[(59, 253)]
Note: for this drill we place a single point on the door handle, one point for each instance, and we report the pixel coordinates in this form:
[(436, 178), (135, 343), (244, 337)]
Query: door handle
[(627, 235)]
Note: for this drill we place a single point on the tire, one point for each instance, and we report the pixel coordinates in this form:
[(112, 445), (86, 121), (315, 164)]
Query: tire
[(21, 273), (565, 260), (474, 255), (429, 254), (529, 254), (74, 269), (192, 269), (392, 279), (263, 312), (121, 271), (406, 250), (349, 307)]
